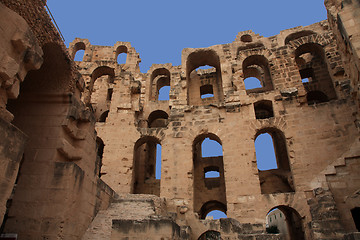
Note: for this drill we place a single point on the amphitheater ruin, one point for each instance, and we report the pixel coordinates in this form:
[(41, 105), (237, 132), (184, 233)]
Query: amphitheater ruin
[(80, 139)]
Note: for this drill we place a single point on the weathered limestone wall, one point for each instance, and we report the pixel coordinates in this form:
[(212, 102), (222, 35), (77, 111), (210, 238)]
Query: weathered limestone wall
[(312, 123)]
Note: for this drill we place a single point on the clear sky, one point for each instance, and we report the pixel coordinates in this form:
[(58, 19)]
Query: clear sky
[(160, 29)]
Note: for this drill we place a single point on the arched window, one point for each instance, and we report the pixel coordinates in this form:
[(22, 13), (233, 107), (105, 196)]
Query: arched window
[(209, 179), (79, 51), (203, 73), (99, 90), (147, 166), (273, 162), (263, 109), (121, 54), (158, 118), (313, 70), (211, 206), (286, 221), (160, 85), (257, 75)]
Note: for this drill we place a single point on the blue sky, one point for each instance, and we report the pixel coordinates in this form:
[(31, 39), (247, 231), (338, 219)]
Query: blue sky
[(160, 29)]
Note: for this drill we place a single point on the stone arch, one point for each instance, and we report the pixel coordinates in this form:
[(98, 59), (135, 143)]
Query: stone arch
[(79, 44), (211, 206), (294, 223), (158, 118), (144, 166), (314, 38), (277, 180), (313, 69), (207, 190), (198, 58), (97, 73), (119, 50), (296, 35), (159, 78)]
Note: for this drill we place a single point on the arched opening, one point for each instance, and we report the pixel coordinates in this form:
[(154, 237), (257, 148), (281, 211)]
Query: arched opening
[(297, 35), (78, 51), (160, 85), (210, 235), (99, 156), (211, 206), (147, 161), (203, 73), (265, 152), (286, 221), (263, 109), (121, 54), (103, 116), (314, 97), (273, 162), (257, 74), (99, 91), (209, 179), (246, 38), (158, 118), (355, 213), (313, 70)]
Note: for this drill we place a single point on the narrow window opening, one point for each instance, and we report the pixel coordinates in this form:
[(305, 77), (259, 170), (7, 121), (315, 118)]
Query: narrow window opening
[(212, 174), (215, 214), (79, 56), (265, 153), (164, 93), (211, 148), (206, 91), (252, 83), (158, 162), (109, 94), (355, 212)]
